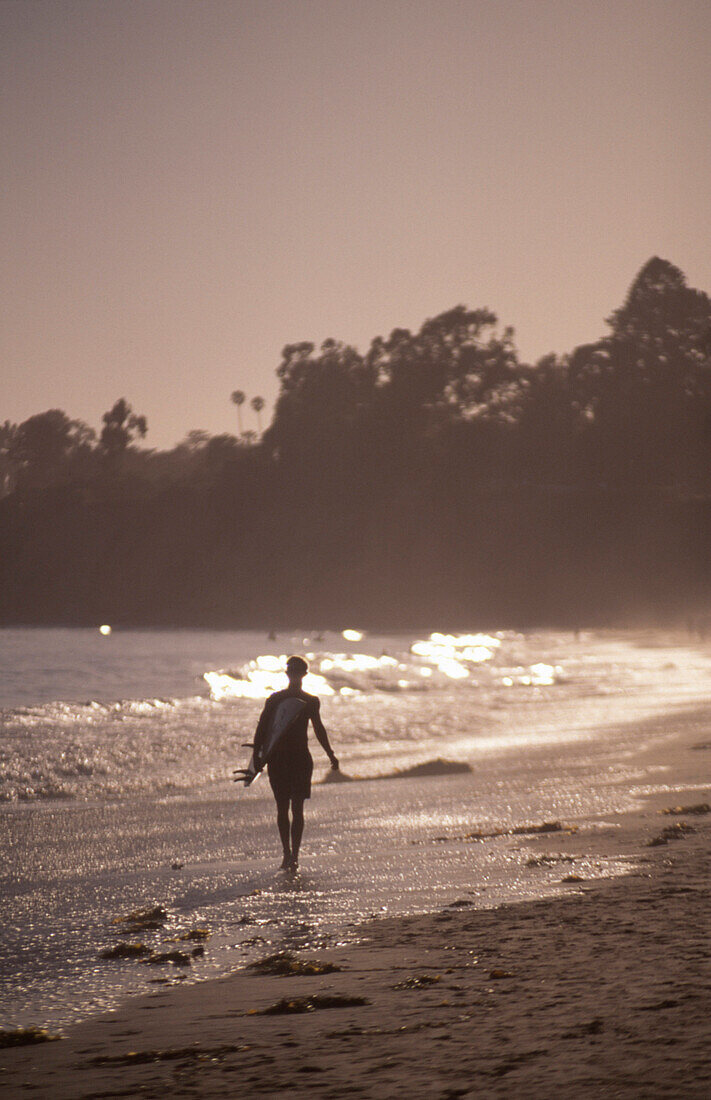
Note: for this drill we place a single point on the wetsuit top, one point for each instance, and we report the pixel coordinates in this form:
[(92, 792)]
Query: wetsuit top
[(294, 742)]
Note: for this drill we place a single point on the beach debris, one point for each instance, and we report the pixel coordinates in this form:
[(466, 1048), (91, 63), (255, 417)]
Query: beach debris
[(143, 920), (24, 1036), (672, 832), (175, 958), (429, 768), (419, 981), (702, 746), (197, 952), (317, 1001), (548, 861), (498, 973), (460, 903), (285, 964), (123, 950), (573, 878), (138, 1057), (195, 934), (516, 830), (699, 808), (175, 866), (530, 830)]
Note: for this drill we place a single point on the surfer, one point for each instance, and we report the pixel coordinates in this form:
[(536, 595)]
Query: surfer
[(289, 764)]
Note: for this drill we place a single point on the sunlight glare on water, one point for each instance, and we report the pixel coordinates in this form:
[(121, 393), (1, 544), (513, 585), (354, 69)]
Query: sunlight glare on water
[(258, 679), (452, 653), (452, 656)]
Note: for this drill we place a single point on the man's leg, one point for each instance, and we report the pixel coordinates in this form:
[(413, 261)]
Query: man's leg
[(283, 823), (297, 828)]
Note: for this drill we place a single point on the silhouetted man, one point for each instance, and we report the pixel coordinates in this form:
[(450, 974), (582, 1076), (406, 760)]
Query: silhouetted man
[(289, 765)]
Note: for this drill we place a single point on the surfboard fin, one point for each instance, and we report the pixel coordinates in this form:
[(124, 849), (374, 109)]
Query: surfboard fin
[(244, 775)]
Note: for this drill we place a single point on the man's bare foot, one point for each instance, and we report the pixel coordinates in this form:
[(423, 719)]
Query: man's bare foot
[(294, 865), (286, 862)]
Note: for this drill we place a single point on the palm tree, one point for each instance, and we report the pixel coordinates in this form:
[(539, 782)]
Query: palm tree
[(238, 399), (257, 404)]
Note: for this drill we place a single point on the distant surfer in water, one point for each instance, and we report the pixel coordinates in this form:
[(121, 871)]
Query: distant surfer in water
[(289, 763)]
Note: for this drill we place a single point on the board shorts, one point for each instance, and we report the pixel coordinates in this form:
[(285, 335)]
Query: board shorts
[(290, 775)]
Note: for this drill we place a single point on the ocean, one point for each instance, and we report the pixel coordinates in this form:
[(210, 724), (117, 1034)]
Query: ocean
[(118, 746)]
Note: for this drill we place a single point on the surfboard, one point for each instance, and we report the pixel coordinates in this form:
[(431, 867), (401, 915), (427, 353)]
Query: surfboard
[(282, 720)]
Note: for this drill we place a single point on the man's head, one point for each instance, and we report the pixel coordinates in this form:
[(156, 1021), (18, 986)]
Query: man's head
[(296, 669)]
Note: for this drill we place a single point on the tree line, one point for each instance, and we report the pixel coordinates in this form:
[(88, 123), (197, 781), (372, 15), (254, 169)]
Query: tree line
[(434, 477)]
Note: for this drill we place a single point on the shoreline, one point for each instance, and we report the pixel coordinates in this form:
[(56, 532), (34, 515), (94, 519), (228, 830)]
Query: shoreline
[(603, 990)]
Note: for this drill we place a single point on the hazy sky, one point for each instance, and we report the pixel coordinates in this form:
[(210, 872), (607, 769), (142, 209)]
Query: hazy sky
[(188, 185)]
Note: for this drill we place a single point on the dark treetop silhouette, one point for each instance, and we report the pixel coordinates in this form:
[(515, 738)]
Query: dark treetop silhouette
[(433, 478)]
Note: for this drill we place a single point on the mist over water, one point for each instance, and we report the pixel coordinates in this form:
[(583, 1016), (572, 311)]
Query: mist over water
[(116, 790)]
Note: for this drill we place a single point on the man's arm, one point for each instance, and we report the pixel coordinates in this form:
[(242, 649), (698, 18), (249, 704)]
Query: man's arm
[(321, 735)]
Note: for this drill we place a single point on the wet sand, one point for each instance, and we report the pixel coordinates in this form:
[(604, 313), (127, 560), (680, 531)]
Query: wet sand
[(604, 991)]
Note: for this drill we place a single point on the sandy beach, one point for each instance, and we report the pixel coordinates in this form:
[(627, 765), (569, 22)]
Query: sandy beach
[(604, 990)]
